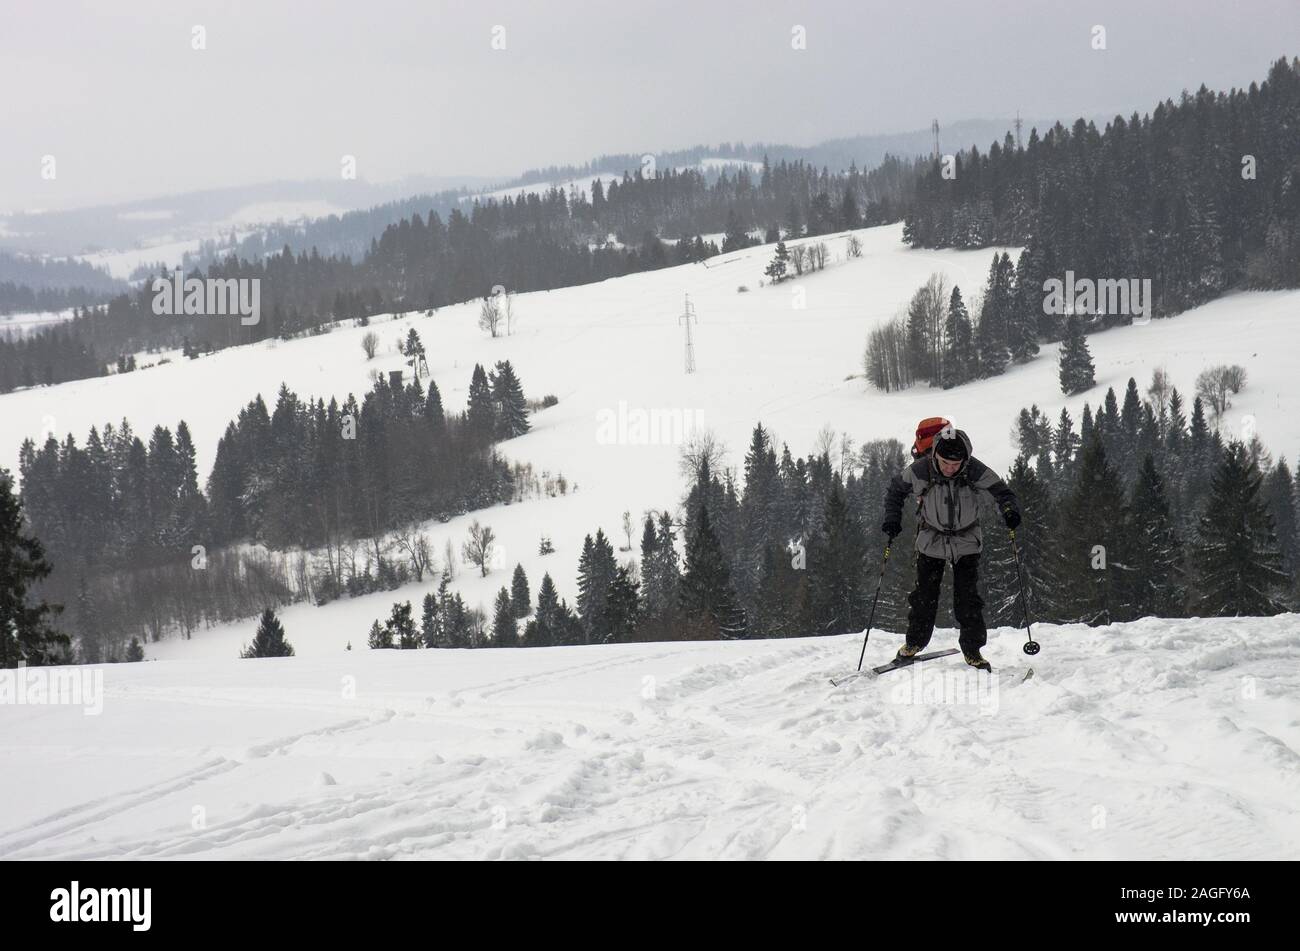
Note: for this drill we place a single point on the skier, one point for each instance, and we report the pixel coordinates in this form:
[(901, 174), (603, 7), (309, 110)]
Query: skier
[(946, 481)]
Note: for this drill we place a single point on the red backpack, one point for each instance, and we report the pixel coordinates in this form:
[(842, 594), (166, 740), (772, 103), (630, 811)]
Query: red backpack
[(926, 430)]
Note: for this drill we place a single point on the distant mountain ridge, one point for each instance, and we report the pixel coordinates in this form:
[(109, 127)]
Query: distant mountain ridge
[(365, 209)]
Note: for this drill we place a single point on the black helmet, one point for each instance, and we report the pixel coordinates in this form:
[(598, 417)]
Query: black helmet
[(952, 444)]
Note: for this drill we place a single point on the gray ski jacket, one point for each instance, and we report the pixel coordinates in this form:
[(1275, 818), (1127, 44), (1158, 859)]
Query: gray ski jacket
[(947, 508)]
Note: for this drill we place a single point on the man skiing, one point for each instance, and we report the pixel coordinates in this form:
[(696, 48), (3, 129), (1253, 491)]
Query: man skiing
[(946, 480)]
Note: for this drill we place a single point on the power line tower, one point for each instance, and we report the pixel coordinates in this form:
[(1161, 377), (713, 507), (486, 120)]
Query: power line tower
[(934, 127), (1018, 124), (688, 315)]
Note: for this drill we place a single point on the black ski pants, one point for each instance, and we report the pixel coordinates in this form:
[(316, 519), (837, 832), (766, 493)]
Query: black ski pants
[(967, 606)]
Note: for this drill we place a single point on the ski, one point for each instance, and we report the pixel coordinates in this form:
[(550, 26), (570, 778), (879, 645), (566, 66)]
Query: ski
[(897, 662), (892, 665)]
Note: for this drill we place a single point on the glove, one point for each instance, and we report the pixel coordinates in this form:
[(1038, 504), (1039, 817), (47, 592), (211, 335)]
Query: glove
[(1012, 517), (891, 529)]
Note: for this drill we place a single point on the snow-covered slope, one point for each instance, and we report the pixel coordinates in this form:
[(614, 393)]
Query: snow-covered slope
[(1150, 740), (786, 355)]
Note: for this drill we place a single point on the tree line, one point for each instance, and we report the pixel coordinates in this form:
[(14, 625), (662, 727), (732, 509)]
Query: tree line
[(1138, 510), (1198, 196), (139, 548)]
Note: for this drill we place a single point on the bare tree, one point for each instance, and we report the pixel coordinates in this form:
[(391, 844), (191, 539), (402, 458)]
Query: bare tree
[(799, 259), (1215, 383), (476, 618), (1234, 377), (846, 453), (489, 315), (627, 530), (854, 246), (478, 549), (702, 448), (508, 311), (370, 343), (817, 256), (927, 315), (415, 544), (1160, 390), (824, 444), (449, 560), (348, 551), (885, 359)]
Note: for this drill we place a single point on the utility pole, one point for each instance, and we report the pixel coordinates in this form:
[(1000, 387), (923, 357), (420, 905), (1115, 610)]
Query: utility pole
[(685, 319)]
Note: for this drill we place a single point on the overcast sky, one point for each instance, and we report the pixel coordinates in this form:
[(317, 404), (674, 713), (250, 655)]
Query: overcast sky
[(116, 93)]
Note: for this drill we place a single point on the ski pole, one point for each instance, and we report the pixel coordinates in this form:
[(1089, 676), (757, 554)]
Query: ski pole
[(1031, 646), (872, 618)]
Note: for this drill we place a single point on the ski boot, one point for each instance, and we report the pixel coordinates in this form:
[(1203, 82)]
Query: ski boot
[(976, 660), (907, 652)]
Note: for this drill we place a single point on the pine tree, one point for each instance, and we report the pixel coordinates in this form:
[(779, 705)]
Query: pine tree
[(735, 236), (400, 627), (1156, 557), (837, 569), (380, 638), (1093, 540), (1075, 360), (960, 360), (482, 415), (269, 640), (793, 219), (759, 511), (25, 633), (1199, 460), (776, 268), (1086, 427), (1279, 489), (780, 606), (849, 215), (991, 335), (1026, 308), (543, 630), (708, 599), (521, 600), (660, 579), (134, 651), (1235, 553), (434, 414), (1176, 428), (1131, 419), (620, 609), (1065, 442), (191, 506), (505, 628), (590, 588), (455, 622), (415, 355), (430, 617), (1039, 554), (508, 399)]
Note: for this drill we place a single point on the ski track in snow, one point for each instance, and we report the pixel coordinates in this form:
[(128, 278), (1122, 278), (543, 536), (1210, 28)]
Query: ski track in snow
[(1152, 740)]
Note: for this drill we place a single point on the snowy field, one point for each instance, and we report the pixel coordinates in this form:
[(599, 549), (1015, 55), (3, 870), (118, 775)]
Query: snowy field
[(171, 249), (20, 325), (1150, 740)]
